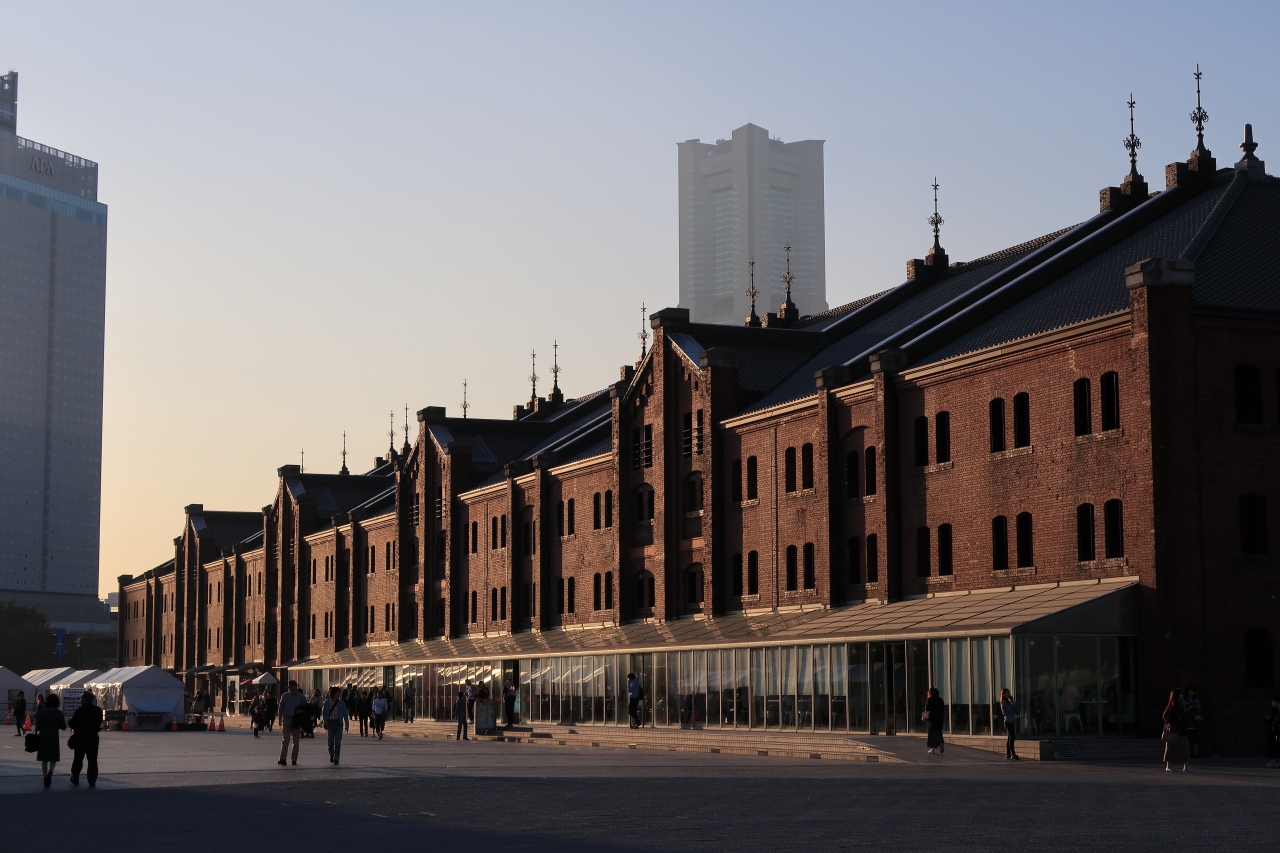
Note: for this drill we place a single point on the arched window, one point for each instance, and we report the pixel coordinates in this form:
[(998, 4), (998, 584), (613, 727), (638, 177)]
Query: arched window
[(1085, 533), (693, 492), (752, 492), (493, 533), (1021, 420), (475, 611), (921, 429), (1026, 553), (924, 559), (851, 484), (1248, 394), (853, 556), (571, 525), (573, 596), (753, 573), (945, 563), (789, 469), (1083, 399), (873, 558), (475, 537), (999, 543), (693, 585), (608, 508), (596, 597), (597, 514), (810, 570), (1253, 525), (608, 590), (1110, 401), (644, 502), (502, 603), (735, 576), (1259, 659), (493, 604), (502, 542), (793, 568), (644, 590), (806, 466), (996, 416), (942, 437), (1113, 528), (870, 469)]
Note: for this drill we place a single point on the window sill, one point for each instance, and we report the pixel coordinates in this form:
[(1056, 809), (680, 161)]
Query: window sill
[(569, 537), (935, 468), (1010, 454), (1100, 436), (802, 493), (1020, 572), (940, 580), (750, 503), (1097, 565)]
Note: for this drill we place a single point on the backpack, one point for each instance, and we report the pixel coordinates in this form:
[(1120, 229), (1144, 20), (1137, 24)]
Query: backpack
[(640, 693)]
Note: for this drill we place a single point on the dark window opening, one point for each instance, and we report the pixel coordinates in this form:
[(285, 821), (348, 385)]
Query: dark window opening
[(644, 503), (1021, 420), (693, 585), (608, 590), (573, 596), (475, 537), (806, 466), (873, 559), (475, 616), (1248, 394), (1084, 533), (648, 445), (493, 533), (493, 604), (608, 508), (753, 573), (697, 435), (793, 568), (1083, 400), (644, 590), (945, 563), (996, 414), (999, 543), (752, 492), (1110, 401), (942, 437), (1026, 554), (870, 455), (1253, 525), (502, 603), (1113, 529), (923, 558), (686, 442), (560, 596), (596, 597), (810, 571), (597, 512), (1259, 659), (921, 441), (571, 524), (789, 466)]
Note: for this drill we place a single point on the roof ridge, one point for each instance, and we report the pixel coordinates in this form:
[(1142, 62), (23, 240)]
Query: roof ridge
[(1018, 249), (1216, 216), (841, 309)]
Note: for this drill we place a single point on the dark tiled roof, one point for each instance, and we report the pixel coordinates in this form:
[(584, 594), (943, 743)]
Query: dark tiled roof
[(228, 528), (334, 493), (821, 321), (1237, 268)]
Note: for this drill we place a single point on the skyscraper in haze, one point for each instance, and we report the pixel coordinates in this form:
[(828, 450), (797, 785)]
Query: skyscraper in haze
[(744, 199), (53, 264)]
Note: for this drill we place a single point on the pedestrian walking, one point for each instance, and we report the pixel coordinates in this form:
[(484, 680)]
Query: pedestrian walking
[(20, 712), (409, 695), (364, 708), (85, 724), (336, 719), (1193, 716), (935, 716), (49, 721), (270, 708), (1176, 747), (635, 695), (509, 696), (460, 711), (290, 707), (1273, 733), (257, 713), (379, 706), (471, 701), (1009, 711)]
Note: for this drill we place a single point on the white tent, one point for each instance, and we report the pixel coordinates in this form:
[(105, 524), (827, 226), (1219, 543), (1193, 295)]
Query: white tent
[(10, 684), (70, 688), (265, 679), (43, 679), (139, 690)]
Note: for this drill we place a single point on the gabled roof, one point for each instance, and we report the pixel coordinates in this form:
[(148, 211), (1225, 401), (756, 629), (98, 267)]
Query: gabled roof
[(227, 528), (335, 493)]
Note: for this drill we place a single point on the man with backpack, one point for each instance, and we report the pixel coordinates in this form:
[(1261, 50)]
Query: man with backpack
[(635, 695)]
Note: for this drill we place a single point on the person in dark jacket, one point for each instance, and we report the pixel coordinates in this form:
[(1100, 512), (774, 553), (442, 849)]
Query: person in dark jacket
[(364, 710), (49, 721), (85, 724), (1177, 749), (1273, 733), (20, 712), (335, 718), (1009, 713), (935, 715), (460, 711)]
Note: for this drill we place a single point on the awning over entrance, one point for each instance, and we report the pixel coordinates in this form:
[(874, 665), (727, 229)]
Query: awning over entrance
[(1085, 607)]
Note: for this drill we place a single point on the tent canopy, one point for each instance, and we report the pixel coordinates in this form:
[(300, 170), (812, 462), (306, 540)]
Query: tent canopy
[(75, 679), (43, 679), (265, 678), (146, 689), (10, 680)]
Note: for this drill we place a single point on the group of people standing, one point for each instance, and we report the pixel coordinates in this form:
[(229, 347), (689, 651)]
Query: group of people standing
[(85, 724)]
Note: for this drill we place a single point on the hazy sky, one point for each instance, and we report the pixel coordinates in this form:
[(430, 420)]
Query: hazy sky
[(322, 212)]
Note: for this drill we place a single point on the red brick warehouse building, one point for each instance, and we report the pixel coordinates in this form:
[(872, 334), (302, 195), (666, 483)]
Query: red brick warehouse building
[(1053, 468)]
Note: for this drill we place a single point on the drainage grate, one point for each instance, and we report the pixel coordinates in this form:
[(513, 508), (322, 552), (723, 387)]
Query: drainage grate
[(1064, 751)]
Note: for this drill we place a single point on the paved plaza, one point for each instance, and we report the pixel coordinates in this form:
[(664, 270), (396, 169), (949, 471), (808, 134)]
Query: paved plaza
[(203, 790)]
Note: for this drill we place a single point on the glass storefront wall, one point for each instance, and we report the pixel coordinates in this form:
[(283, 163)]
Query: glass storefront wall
[(1064, 684)]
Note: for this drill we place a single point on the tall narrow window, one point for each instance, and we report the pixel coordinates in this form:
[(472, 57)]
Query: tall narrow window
[(596, 597), (810, 566), (806, 466), (697, 434), (1113, 528), (475, 612), (502, 529), (946, 565), (572, 529), (1248, 394), (608, 590), (686, 443), (735, 576), (789, 469), (560, 595), (573, 596), (597, 513), (493, 604), (1083, 399), (853, 557), (924, 559), (1084, 533), (793, 568), (873, 559), (608, 508), (1021, 420), (735, 481), (1110, 401), (1253, 525), (1026, 553), (637, 449), (493, 533), (648, 445), (996, 416), (752, 492), (942, 437), (1259, 659), (999, 543), (870, 469), (851, 474), (502, 604), (560, 519), (693, 585), (753, 573), (644, 503), (475, 538), (921, 443)]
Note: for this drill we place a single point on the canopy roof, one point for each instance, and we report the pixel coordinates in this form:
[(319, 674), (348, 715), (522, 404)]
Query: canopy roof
[(43, 679), (10, 680), (134, 676), (75, 679)]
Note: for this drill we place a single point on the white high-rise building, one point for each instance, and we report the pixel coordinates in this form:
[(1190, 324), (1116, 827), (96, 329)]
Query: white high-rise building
[(53, 265), (745, 199)]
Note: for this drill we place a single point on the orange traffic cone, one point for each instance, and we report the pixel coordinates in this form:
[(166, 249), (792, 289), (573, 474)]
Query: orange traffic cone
[(28, 725), (125, 727), (222, 724), (173, 727), (8, 718)]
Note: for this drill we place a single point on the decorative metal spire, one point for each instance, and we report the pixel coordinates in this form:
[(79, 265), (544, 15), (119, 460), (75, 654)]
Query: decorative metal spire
[(752, 293), (555, 365), (391, 431), (465, 404), (787, 277), (644, 332), (1199, 116), (936, 221), (533, 375), (344, 452), (302, 469), (1132, 143), (406, 426)]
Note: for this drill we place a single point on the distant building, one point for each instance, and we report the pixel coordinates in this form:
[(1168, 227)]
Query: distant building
[(53, 263), (744, 199)]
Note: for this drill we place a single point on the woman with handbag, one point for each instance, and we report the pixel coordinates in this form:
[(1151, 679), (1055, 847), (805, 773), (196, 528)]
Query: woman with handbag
[(85, 724), (1009, 713), (49, 721), (1177, 750), (935, 715)]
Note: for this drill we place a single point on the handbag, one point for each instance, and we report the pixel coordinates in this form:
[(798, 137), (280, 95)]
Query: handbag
[(32, 742), (1169, 736), (72, 743)]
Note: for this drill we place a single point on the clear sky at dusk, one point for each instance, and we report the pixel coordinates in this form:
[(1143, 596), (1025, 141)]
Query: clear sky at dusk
[(322, 212)]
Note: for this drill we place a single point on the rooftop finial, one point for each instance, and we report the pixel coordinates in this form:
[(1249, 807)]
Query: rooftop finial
[(344, 453), (555, 365), (391, 430), (644, 332), (1248, 146), (787, 277), (752, 293), (1132, 143), (533, 375), (936, 221), (302, 469), (465, 404), (406, 428), (1199, 116)]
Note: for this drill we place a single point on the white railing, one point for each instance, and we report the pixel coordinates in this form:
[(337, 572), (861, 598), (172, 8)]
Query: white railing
[(71, 159)]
